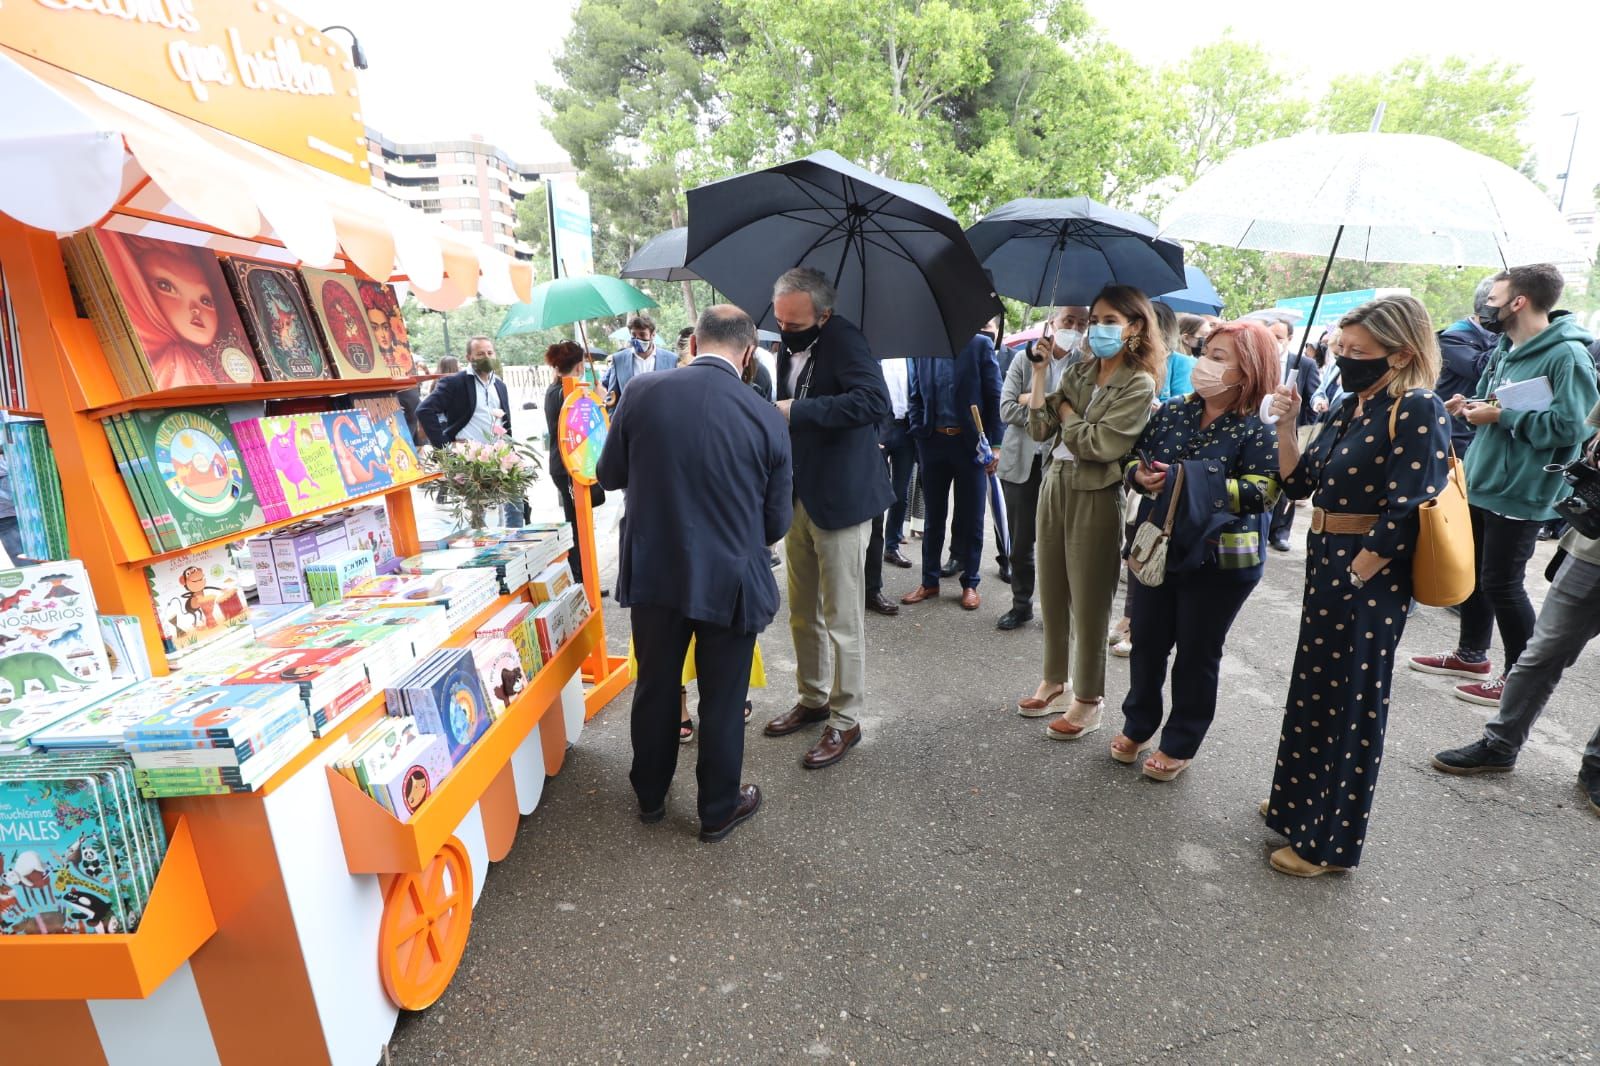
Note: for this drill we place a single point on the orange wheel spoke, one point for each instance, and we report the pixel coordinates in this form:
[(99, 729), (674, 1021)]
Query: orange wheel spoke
[(426, 919)]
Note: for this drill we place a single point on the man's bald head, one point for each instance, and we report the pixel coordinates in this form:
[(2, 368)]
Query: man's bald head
[(725, 330)]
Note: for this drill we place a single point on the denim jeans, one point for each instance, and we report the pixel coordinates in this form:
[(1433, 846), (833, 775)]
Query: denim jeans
[(1569, 620), (900, 451), (1502, 547)]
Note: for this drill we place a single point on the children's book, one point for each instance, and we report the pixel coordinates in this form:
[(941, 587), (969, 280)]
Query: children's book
[(230, 712), (394, 435), (446, 697), (49, 633), (337, 302), (412, 776), (387, 326), (361, 458), (199, 599), (298, 448), (278, 318), (200, 477)]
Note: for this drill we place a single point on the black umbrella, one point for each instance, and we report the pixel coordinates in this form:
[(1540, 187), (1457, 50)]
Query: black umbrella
[(1054, 252), (661, 258), (903, 268)]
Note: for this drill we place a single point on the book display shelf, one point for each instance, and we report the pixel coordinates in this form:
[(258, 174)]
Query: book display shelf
[(293, 922)]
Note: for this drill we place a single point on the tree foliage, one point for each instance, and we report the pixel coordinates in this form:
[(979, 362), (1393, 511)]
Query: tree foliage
[(984, 100)]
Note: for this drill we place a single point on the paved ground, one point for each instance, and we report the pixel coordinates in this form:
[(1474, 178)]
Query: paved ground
[(961, 889)]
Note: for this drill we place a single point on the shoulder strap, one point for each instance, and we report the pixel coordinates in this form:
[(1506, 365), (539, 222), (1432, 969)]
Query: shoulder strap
[(1172, 505)]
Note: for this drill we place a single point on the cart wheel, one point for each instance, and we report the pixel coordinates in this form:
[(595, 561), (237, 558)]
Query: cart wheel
[(426, 918)]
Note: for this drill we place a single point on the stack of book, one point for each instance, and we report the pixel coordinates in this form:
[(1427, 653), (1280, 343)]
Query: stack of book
[(280, 558), (463, 593), (331, 578), (558, 620), (35, 490), (83, 849), (550, 582), (395, 764), (218, 739), (330, 682), (445, 696), (185, 474)]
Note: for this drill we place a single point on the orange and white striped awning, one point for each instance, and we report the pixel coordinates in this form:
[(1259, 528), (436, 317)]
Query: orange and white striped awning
[(74, 153)]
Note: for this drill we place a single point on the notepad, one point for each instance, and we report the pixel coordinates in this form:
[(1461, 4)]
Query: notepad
[(1531, 395)]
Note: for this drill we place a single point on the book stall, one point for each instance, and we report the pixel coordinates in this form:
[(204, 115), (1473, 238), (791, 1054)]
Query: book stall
[(259, 742)]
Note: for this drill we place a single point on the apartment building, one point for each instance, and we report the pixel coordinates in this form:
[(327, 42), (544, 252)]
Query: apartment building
[(469, 185)]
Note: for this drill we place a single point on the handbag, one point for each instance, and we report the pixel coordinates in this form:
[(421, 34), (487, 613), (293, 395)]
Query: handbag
[(1147, 559), (1443, 571)]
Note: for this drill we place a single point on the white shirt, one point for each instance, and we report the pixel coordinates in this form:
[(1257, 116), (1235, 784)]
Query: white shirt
[(896, 375), (1052, 381), (485, 412), (797, 365)]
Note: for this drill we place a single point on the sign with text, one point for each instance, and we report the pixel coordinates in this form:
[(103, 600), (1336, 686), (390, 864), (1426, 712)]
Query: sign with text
[(571, 230), (1335, 305), (246, 67)]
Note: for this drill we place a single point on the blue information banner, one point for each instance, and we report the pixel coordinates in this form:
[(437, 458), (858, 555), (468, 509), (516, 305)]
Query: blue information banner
[(1334, 306)]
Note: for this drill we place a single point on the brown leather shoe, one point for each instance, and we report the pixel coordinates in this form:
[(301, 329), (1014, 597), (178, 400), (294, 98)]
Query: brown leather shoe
[(969, 600), (749, 804), (920, 593), (831, 748), (795, 719)]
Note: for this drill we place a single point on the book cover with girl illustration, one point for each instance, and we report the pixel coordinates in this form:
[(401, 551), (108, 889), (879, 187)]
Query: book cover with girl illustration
[(179, 311), (387, 326)]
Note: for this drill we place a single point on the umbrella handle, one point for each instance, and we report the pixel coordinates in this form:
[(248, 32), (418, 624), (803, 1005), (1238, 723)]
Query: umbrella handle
[(1267, 417), (977, 419)]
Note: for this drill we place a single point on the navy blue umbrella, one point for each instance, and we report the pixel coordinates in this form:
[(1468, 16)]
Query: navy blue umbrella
[(661, 258), (1053, 252), (1200, 297), (897, 256)]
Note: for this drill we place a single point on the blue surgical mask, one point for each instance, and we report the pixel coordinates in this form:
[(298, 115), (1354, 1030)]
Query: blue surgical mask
[(1105, 341)]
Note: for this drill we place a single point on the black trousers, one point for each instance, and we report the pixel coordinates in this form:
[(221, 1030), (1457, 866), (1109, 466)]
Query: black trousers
[(946, 462), (722, 663), (1022, 515), (1282, 519), (569, 510), (1502, 547), (1192, 611)]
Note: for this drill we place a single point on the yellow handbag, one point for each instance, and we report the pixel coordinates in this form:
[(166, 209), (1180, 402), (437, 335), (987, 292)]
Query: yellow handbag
[(1443, 570)]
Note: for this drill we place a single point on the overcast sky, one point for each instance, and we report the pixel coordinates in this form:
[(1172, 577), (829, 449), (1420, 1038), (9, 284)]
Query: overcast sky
[(471, 66)]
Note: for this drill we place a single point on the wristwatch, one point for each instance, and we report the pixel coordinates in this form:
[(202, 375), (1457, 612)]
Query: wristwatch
[(1356, 580)]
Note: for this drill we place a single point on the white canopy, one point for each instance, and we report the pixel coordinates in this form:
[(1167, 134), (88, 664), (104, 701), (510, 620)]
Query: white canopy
[(74, 154)]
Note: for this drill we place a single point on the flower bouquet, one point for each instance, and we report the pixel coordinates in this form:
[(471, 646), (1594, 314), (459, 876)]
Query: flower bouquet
[(480, 476)]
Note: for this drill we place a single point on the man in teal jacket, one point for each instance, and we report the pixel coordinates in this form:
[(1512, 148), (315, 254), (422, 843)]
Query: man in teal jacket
[(1510, 491)]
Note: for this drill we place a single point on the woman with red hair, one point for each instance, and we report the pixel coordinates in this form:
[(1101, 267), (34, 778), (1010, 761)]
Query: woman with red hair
[(1217, 552)]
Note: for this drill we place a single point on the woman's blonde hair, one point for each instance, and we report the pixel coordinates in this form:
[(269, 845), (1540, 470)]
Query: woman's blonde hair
[(1401, 325)]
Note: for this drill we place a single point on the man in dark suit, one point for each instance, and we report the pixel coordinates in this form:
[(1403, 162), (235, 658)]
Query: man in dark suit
[(943, 394), (706, 465), (468, 405), (832, 392), (1300, 369)]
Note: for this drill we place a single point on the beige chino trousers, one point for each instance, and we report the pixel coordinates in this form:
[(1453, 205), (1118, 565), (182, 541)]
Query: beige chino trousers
[(828, 615)]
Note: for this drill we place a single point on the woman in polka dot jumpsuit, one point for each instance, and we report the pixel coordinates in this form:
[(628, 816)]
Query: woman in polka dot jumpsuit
[(1367, 487)]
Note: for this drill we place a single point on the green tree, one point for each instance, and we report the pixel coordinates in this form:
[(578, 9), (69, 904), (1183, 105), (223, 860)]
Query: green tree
[(533, 228), (1480, 106), (1225, 96)]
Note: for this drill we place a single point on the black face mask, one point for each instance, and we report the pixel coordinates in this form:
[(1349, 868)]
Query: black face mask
[(1359, 375), (801, 339), (1491, 321)]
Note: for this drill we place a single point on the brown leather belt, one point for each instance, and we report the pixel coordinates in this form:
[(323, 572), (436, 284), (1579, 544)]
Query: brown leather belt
[(1330, 522), (948, 431)]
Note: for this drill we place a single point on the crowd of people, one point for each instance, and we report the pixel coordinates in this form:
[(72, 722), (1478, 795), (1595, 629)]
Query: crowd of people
[(1132, 447)]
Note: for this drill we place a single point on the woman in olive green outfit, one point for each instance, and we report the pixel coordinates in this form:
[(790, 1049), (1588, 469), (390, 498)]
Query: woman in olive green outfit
[(1094, 417)]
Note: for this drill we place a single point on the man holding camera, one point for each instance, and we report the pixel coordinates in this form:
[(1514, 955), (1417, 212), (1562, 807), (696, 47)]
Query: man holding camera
[(1513, 469), (1569, 620)]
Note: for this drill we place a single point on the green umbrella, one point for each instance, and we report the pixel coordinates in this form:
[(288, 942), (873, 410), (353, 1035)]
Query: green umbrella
[(568, 300)]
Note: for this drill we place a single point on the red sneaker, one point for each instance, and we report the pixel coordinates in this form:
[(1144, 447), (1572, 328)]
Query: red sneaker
[(1451, 664), (1485, 693)]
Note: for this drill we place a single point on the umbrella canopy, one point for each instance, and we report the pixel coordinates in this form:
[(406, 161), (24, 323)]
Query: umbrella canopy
[(1384, 197), (567, 300), (903, 268), (1054, 252), (661, 258), (1197, 297)]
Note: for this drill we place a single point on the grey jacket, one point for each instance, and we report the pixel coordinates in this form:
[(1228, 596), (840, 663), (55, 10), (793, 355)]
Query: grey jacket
[(1017, 448)]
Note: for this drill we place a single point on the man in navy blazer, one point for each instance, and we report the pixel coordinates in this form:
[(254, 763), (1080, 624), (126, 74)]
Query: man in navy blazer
[(706, 465), (831, 390), (943, 394)]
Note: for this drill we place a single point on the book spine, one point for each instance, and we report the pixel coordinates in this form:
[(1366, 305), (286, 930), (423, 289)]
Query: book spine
[(126, 346), (82, 272), (143, 463), (269, 494), (130, 481)]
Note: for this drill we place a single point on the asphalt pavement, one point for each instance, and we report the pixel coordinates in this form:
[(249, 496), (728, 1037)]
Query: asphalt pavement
[(962, 889)]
